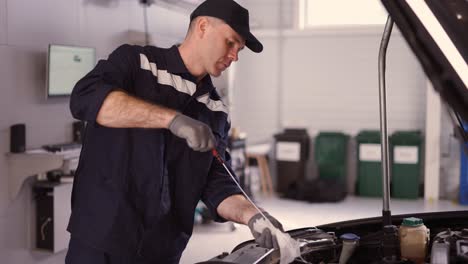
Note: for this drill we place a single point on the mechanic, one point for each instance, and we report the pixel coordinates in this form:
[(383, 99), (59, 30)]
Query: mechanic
[(152, 117)]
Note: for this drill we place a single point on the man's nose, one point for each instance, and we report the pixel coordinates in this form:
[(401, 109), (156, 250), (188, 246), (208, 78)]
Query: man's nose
[(234, 55)]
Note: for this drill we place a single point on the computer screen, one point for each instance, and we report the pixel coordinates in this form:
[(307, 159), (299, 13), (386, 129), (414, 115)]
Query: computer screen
[(65, 66)]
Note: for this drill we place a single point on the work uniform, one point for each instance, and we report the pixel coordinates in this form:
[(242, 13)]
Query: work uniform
[(135, 190)]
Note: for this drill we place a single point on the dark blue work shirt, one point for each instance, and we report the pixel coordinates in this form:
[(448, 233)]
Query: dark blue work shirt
[(135, 190)]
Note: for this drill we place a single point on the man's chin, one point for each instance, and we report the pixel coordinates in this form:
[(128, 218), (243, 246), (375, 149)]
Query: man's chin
[(216, 73)]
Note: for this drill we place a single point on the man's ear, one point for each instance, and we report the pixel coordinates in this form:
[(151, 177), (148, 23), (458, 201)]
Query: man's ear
[(202, 26)]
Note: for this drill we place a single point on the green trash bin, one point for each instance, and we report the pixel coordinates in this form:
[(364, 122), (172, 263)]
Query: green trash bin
[(369, 166), (330, 155), (406, 163)]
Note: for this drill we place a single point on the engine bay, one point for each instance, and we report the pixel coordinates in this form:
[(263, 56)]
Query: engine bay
[(447, 242)]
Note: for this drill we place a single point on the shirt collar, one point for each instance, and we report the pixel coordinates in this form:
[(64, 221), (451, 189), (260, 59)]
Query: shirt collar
[(174, 61), (205, 86), (175, 64)]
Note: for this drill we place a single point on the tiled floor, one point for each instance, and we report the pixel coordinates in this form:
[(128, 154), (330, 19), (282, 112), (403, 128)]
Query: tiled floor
[(213, 239)]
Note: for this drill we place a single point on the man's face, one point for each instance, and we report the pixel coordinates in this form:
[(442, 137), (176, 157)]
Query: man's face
[(222, 48)]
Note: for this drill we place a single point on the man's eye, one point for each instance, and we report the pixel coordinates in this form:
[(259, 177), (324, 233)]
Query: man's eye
[(230, 43)]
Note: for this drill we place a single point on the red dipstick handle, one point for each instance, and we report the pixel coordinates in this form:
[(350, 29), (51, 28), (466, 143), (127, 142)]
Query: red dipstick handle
[(217, 156)]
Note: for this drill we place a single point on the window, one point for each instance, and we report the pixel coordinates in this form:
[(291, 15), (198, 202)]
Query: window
[(320, 13)]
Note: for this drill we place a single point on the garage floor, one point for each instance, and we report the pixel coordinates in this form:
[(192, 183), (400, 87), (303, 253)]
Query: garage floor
[(212, 239)]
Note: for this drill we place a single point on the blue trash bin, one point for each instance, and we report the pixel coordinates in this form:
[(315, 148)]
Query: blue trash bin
[(464, 172)]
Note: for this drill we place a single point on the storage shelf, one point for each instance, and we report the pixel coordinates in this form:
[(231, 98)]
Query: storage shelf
[(33, 162)]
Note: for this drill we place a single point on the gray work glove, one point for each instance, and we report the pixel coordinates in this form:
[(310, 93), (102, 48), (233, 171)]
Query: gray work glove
[(198, 135), (265, 239)]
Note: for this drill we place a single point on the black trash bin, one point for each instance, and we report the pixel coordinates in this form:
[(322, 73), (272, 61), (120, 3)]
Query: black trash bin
[(291, 155)]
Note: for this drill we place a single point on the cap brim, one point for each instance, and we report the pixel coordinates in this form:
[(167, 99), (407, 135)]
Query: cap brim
[(253, 44), (250, 40)]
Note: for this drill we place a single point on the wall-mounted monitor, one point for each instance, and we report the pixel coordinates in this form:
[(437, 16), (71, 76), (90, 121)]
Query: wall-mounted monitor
[(66, 65)]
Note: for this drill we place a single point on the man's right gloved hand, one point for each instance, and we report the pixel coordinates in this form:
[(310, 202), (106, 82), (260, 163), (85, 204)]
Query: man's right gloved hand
[(198, 135), (265, 238)]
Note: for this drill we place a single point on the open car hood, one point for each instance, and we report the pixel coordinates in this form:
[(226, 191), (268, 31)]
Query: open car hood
[(437, 32)]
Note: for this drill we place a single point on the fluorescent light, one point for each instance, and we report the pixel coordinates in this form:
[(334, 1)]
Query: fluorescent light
[(437, 32)]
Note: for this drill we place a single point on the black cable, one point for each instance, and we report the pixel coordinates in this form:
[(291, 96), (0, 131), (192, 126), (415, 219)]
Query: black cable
[(146, 4), (462, 131), (459, 127), (145, 19), (464, 136)]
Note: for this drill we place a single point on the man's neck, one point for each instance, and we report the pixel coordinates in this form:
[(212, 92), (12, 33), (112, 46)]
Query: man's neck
[(191, 61)]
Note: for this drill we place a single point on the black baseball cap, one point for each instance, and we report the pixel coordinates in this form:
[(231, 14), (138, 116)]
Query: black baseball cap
[(234, 15)]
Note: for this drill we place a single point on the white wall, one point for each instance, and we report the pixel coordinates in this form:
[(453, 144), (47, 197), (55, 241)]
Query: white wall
[(3, 20), (271, 13), (166, 26), (328, 81), (256, 90), (331, 83)]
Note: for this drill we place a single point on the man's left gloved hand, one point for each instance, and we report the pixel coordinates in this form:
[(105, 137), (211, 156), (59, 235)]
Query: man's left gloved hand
[(265, 238)]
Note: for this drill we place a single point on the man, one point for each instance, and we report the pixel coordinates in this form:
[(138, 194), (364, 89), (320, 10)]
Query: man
[(153, 116)]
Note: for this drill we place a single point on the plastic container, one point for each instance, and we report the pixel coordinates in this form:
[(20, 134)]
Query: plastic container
[(369, 168), (331, 155), (291, 155), (414, 237), (406, 164), (350, 242)]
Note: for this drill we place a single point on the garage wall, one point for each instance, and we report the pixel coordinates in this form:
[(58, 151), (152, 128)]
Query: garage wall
[(271, 14), (328, 81), (331, 83), (255, 108)]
